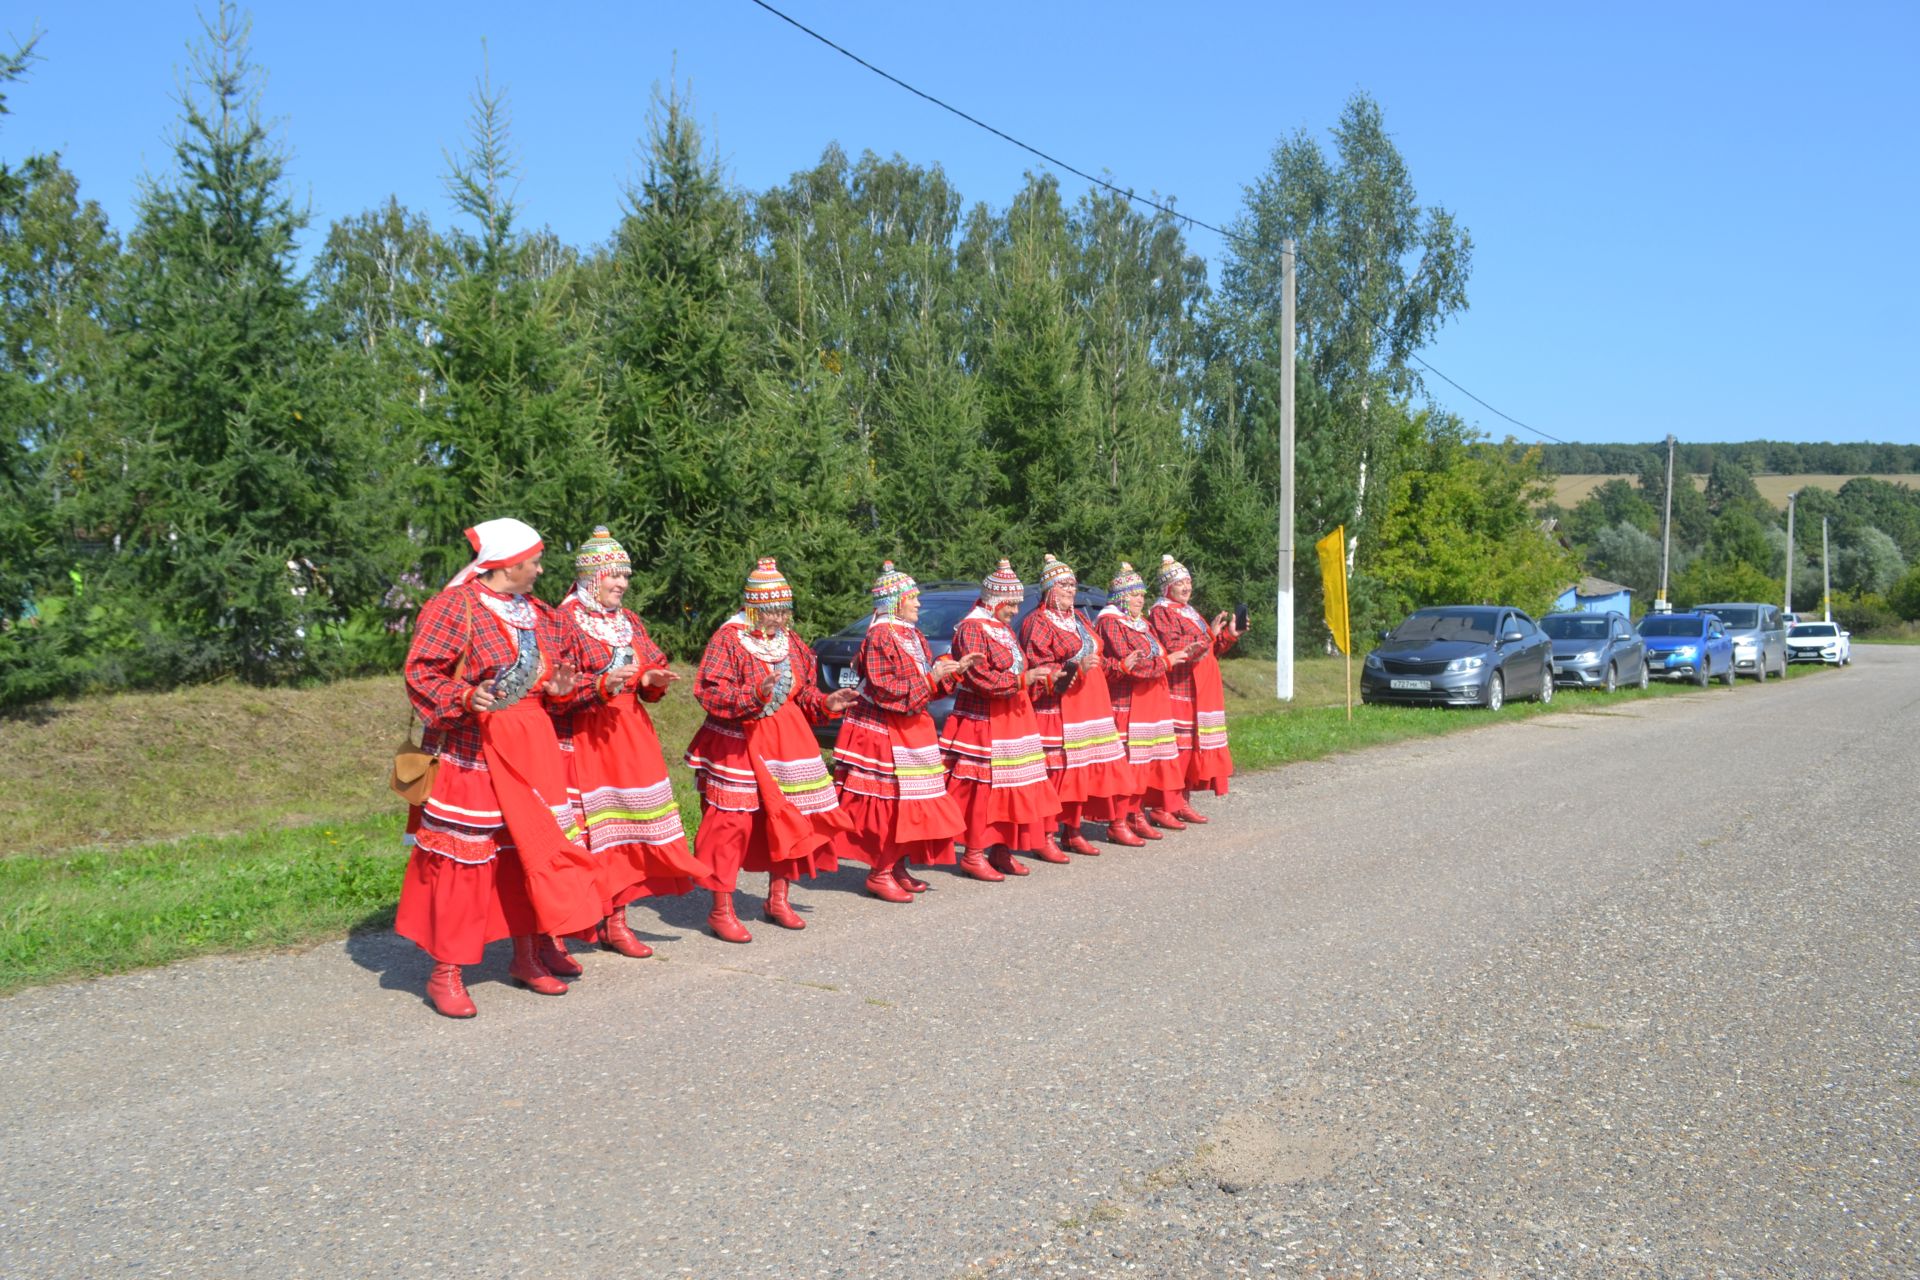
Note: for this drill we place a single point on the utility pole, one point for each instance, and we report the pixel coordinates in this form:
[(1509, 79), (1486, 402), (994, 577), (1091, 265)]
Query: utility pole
[(1283, 642), (1791, 499), (1666, 533), (1826, 583)]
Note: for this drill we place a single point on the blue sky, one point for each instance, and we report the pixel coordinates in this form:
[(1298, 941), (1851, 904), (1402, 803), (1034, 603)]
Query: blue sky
[(1686, 218)]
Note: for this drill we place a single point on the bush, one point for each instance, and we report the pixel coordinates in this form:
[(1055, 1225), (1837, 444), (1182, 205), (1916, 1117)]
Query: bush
[(1904, 599), (1863, 612)]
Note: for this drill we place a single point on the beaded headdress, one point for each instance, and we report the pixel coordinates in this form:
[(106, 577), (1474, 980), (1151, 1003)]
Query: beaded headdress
[(1002, 584), (1171, 571), (1128, 579), (890, 588), (598, 555), (766, 589), (1054, 572)]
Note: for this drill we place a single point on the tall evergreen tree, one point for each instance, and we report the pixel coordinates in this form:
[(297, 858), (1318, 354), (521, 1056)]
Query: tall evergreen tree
[(229, 512), (514, 426)]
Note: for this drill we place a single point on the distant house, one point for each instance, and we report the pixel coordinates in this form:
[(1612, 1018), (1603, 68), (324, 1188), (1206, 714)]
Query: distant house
[(1595, 595)]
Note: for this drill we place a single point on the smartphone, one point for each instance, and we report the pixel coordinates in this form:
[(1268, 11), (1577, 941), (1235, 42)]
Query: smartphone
[(1240, 617), (1068, 670)]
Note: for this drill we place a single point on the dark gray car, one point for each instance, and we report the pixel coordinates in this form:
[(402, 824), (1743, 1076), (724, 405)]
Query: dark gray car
[(1759, 634), (1596, 651), (1460, 655)]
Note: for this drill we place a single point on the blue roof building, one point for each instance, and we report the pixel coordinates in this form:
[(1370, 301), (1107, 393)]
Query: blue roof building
[(1595, 595)]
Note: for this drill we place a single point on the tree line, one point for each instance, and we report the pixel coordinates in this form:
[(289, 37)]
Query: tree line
[(1755, 457), (1729, 543), (215, 464)]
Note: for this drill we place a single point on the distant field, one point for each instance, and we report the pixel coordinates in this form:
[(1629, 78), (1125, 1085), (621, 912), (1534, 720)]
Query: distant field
[(1568, 490)]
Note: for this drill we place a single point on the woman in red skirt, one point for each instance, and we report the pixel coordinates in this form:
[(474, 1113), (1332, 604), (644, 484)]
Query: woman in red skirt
[(1193, 688), (886, 760), (1136, 666), (766, 801), (626, 804), (493, 846), (1086, 759), (992, 744)]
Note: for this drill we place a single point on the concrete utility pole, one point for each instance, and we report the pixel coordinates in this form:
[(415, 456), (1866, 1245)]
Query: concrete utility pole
[(1826, 583), (1791, 499), (1283, 642), (1666, 533)]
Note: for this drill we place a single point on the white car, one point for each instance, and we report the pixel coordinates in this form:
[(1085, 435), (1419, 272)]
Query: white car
[(1819, 642)]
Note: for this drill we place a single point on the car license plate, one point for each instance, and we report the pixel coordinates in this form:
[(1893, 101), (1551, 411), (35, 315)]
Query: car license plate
[(849, 678), (1410, 684)]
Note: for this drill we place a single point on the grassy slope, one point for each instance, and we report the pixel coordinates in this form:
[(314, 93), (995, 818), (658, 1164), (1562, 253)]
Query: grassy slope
[(1570, 489), (314, 849)]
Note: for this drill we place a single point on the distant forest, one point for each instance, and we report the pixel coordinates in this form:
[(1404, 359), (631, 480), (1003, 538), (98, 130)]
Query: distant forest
[(1755, 457)]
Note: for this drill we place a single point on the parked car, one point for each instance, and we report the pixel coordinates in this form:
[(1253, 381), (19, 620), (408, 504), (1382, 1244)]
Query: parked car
[(942, 605), (1759, 635), (1688, 646), (1460, 656), (1595, 650), (1819, 642)]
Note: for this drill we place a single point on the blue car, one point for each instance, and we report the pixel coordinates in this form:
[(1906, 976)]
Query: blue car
[(1688, 646)]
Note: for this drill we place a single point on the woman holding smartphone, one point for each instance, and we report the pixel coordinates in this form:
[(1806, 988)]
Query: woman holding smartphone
[(1193, 687), (1086, 760)]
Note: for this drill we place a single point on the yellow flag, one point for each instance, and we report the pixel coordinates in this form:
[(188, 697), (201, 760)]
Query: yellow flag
[(1333, 573)]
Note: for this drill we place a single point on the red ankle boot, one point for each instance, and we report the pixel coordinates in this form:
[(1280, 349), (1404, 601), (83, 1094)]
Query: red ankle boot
[(884, 885), (1165, 821), (1049, 851), (1001, 859), (1079, 844), (907, 880), (726, 926), (975, 864), (1138, 824), (527, 970), (1186, 814), (555, 959), (1120, 833), (779, 909), (617, 935), (448, 992)]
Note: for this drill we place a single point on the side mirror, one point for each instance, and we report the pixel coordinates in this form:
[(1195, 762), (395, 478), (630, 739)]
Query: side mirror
[(1846, 635), (1387, 634), (1511, 637)]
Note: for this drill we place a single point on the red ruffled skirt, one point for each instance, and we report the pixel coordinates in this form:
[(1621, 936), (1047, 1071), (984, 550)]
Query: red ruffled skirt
[(893, 787), (493, 855), (632, 821), (785, 825), (1205, 761), (998, 777)]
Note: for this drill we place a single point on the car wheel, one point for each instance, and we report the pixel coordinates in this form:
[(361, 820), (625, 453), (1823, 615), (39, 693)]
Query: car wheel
[(1646, 672), (1546, 686), (1496, 691), (1701, 677), (1760, 670), (1613, 677), (1727, 676)]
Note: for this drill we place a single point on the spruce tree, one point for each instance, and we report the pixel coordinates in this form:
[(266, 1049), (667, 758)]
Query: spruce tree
[(229, 511)]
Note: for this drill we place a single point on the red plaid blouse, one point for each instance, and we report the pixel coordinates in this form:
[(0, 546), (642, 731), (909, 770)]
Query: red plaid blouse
[(1047, 645), (996, 675), (729, 679), (1176, 631), (895, 682), (454, 624)]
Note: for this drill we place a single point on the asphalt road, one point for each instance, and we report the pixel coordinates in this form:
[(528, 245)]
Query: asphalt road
[(1624, 993)]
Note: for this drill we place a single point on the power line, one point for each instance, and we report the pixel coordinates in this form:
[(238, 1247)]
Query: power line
[(1123, 193)]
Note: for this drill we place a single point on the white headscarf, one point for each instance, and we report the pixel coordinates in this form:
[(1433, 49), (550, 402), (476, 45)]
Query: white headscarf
[(499, 544)]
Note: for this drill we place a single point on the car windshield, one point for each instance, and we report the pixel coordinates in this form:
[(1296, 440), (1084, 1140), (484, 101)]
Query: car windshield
[(1575, 628), (1671, 626), (1815, 631), (1738, 619), (1468, 624)]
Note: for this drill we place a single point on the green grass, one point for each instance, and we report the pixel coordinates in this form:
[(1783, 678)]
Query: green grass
[(69, 912)]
